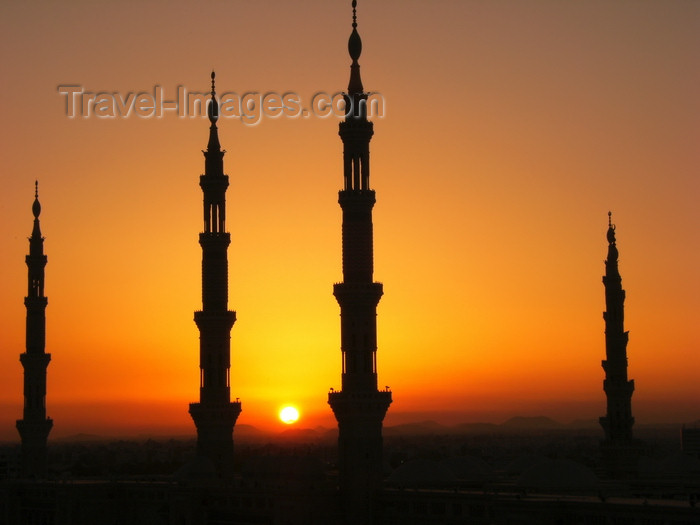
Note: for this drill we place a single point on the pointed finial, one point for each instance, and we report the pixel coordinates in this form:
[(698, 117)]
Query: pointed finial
[(36, 207), (354, 43), (213, 109), (611, 229), (355, 50)]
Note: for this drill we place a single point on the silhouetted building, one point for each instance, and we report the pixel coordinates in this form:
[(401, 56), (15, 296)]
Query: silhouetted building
[(359, 406), (619, 449), (215, 415), (34, 427), (690, 439)]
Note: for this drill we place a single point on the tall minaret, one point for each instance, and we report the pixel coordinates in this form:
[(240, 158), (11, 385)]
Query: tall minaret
[(359, 406), (617, 424), (34, 427), (215, 415)]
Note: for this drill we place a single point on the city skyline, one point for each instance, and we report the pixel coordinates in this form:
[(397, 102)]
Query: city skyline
[(494, 174)]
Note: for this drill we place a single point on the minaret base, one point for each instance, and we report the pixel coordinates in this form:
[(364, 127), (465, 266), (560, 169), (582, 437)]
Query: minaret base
[(34, 435), (360, 449), (215, 434)]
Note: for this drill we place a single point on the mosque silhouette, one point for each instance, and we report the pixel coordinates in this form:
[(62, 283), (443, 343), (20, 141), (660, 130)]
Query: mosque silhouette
[(208, 490)]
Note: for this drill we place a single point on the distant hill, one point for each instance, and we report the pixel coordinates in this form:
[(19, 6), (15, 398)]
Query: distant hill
[(519, 424), (300, 434), (531, 423), (247, 432), (476, 428), (512, 425), (82, 438), (515, 424), (416, 429)]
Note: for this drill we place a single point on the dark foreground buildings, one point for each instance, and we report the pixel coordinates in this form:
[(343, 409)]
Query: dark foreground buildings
[(297, 485)]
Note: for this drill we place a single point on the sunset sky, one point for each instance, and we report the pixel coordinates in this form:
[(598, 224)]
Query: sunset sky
[(510, 128)]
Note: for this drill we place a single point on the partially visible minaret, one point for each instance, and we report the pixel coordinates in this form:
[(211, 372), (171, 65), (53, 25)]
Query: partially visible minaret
[(215, 415), (359, 406), (618, 448), (34, 427)]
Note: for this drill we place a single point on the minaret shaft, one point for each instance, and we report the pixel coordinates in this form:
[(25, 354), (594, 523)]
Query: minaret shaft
[(618, 421), (359, 406), (215, 416), (34, 427), (620, 451)]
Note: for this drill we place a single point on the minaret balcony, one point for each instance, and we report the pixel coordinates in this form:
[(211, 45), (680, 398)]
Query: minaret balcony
[(215, 320), (207, 416), (348, 294), (620, 387), (219, 240), (213, 182), (360, 405), (365, 198), (356, 129), (34, 361), (36, 303), (33, 430)]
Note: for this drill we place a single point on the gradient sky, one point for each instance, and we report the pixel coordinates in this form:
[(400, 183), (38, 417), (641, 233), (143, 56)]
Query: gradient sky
[(511, 128)]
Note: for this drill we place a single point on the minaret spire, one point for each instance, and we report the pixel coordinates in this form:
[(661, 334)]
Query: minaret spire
[(355, 50), (618, 446), (356, 131), (215, 415), (36, 211), (359, 406), (34, 427), (213, 114)]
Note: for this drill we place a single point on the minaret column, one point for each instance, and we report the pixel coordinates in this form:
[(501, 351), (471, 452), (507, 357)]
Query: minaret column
[(619, 448), (34, 427), (215, 415), (359, 406)]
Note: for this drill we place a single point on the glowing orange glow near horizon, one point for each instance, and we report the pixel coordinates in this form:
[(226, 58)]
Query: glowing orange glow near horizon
[(511, 128)]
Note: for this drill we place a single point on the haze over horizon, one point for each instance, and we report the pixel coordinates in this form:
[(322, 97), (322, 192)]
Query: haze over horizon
[(510, 129)]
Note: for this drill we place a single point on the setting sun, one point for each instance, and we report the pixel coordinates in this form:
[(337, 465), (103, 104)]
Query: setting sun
[(289, 415)]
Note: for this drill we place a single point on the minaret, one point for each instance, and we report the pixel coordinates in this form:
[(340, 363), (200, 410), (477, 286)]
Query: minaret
[(34, 427), (215, 415), (359, 406), (618, 448)]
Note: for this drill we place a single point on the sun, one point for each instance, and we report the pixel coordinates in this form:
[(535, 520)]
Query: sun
[(289, 415)]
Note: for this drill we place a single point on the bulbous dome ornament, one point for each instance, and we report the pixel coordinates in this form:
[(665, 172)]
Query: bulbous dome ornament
[(213, 108), (355, 50), (613, 254), (355, 42), (36, 207), (213, 114)]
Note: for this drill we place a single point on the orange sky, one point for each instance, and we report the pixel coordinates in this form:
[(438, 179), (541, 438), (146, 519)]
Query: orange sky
[(511, 128)]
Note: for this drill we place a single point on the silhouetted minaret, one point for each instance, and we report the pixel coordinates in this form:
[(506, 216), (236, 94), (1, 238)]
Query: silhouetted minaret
[(617, 424), (34, 427), (359, 406), (215, 415)]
